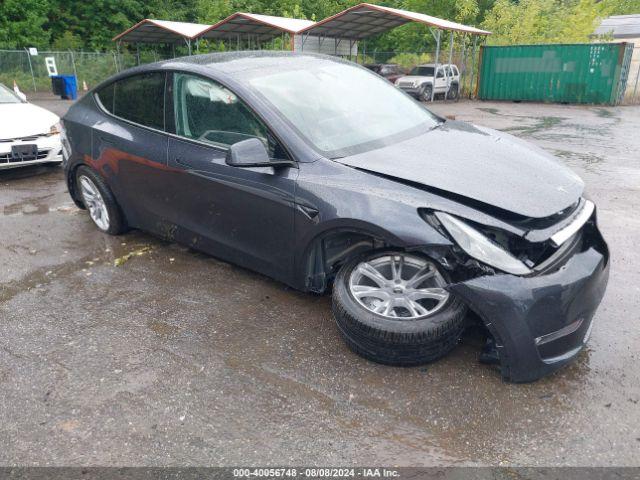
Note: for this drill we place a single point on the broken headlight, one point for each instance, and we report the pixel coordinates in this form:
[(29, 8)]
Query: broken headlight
[(478, 246)]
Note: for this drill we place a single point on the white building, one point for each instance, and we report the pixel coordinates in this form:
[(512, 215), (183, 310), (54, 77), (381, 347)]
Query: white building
[(625, 28)]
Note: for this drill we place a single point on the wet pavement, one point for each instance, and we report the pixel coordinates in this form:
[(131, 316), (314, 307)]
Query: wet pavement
[(131, 351)]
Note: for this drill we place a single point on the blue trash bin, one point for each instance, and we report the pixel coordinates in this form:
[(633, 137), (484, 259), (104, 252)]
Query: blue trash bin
[(65, 85)]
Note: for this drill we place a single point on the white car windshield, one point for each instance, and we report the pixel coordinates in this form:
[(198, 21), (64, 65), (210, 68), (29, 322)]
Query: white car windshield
[(342, 109), (7, 96), (422, 71)]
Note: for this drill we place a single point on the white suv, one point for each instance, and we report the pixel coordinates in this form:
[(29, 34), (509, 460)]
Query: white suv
[(420, 82)]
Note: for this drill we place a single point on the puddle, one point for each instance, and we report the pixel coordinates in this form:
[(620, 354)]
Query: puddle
[(541, 124), (30, 206), (492, 111), (589, 161), (605, 113)]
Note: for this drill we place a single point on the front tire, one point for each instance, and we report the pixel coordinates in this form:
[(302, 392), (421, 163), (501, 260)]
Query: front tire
[(100, 202), (425, 93), (422, 322)]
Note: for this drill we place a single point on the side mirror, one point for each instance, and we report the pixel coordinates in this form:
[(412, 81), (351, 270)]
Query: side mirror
[(247, 153), (252, 153)]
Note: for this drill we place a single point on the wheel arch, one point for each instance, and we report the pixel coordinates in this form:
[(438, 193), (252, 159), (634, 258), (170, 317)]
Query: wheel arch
[(71, 184), (324, 254)]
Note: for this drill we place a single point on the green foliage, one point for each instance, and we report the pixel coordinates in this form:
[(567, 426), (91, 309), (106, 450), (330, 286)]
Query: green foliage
[(68, 41), (21, 23), (550, 21), (91, 25), (410, 60)]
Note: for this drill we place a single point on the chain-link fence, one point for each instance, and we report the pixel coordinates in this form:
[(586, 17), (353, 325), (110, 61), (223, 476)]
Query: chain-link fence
[(466, 60), (31, 74)]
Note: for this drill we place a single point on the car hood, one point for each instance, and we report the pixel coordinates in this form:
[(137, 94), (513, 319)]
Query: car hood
[(413, 78), (481, 164), (24, 119)]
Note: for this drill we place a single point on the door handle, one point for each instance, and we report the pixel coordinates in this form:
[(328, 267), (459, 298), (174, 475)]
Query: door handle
[(309, 211)]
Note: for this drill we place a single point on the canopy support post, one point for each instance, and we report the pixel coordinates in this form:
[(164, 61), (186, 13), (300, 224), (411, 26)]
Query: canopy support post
[(33, 79), (73, 63), (463, 64), (435, 70), (446, 70), (473, 64)]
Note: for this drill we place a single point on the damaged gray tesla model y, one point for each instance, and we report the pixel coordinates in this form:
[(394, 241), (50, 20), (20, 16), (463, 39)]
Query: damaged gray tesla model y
[(322, 175)]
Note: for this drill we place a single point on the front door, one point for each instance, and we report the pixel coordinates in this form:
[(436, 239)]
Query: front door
[(244, 215)]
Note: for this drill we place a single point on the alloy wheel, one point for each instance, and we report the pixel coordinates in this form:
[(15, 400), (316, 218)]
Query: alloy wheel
[(398, 286), (94, 202)]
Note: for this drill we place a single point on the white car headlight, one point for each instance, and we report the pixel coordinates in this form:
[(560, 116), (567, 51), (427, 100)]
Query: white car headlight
[(55, 129), (480, 247)]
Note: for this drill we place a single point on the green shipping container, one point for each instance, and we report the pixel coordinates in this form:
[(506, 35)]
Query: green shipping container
[(577, 73)]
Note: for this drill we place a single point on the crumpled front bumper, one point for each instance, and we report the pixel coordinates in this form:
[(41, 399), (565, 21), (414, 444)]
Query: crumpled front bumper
[(541, 322)]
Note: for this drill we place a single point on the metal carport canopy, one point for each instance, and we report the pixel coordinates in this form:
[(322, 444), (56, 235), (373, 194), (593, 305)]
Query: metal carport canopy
[(260, 27), (161, 31), (366, 20)]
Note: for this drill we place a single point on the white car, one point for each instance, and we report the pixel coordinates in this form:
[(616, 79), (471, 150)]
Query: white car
[(28, 134), (420, 82)]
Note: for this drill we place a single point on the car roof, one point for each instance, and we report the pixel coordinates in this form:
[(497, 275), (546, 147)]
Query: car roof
[(433, 65), (233, 63)]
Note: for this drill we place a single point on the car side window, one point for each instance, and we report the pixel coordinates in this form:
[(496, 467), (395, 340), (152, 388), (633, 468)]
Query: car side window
[(208, 112), (440, 73), (139, 99)]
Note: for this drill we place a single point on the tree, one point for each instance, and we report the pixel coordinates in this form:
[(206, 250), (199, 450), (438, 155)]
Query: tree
[(21, 23), (541, 21), (68, 41)]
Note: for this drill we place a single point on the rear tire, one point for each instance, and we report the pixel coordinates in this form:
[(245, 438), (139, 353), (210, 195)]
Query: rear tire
[(99, 200), (453, 92), (401, 342)]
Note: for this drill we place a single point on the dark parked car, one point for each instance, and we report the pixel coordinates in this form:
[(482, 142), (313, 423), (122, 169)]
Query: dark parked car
[(318, 173), (390, 71)]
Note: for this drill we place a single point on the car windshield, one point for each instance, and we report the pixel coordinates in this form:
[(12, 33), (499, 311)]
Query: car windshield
[(7, 96), (422, 71), (341, 109)]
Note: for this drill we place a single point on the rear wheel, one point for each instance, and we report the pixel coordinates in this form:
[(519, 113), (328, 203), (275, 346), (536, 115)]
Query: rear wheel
[(392, 308), (100, 202), (452, 94)]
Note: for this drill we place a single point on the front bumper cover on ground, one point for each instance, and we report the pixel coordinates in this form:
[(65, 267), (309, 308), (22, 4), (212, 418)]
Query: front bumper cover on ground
[(541, 322)]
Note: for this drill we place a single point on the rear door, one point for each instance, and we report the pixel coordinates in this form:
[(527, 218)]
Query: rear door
[(244, 215), (130, 147)]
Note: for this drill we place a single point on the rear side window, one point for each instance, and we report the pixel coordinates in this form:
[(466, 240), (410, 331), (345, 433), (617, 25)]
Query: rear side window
[(139, 99), (106, 96)]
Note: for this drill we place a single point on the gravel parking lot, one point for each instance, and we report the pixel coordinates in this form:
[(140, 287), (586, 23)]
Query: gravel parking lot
[(175, 358)]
